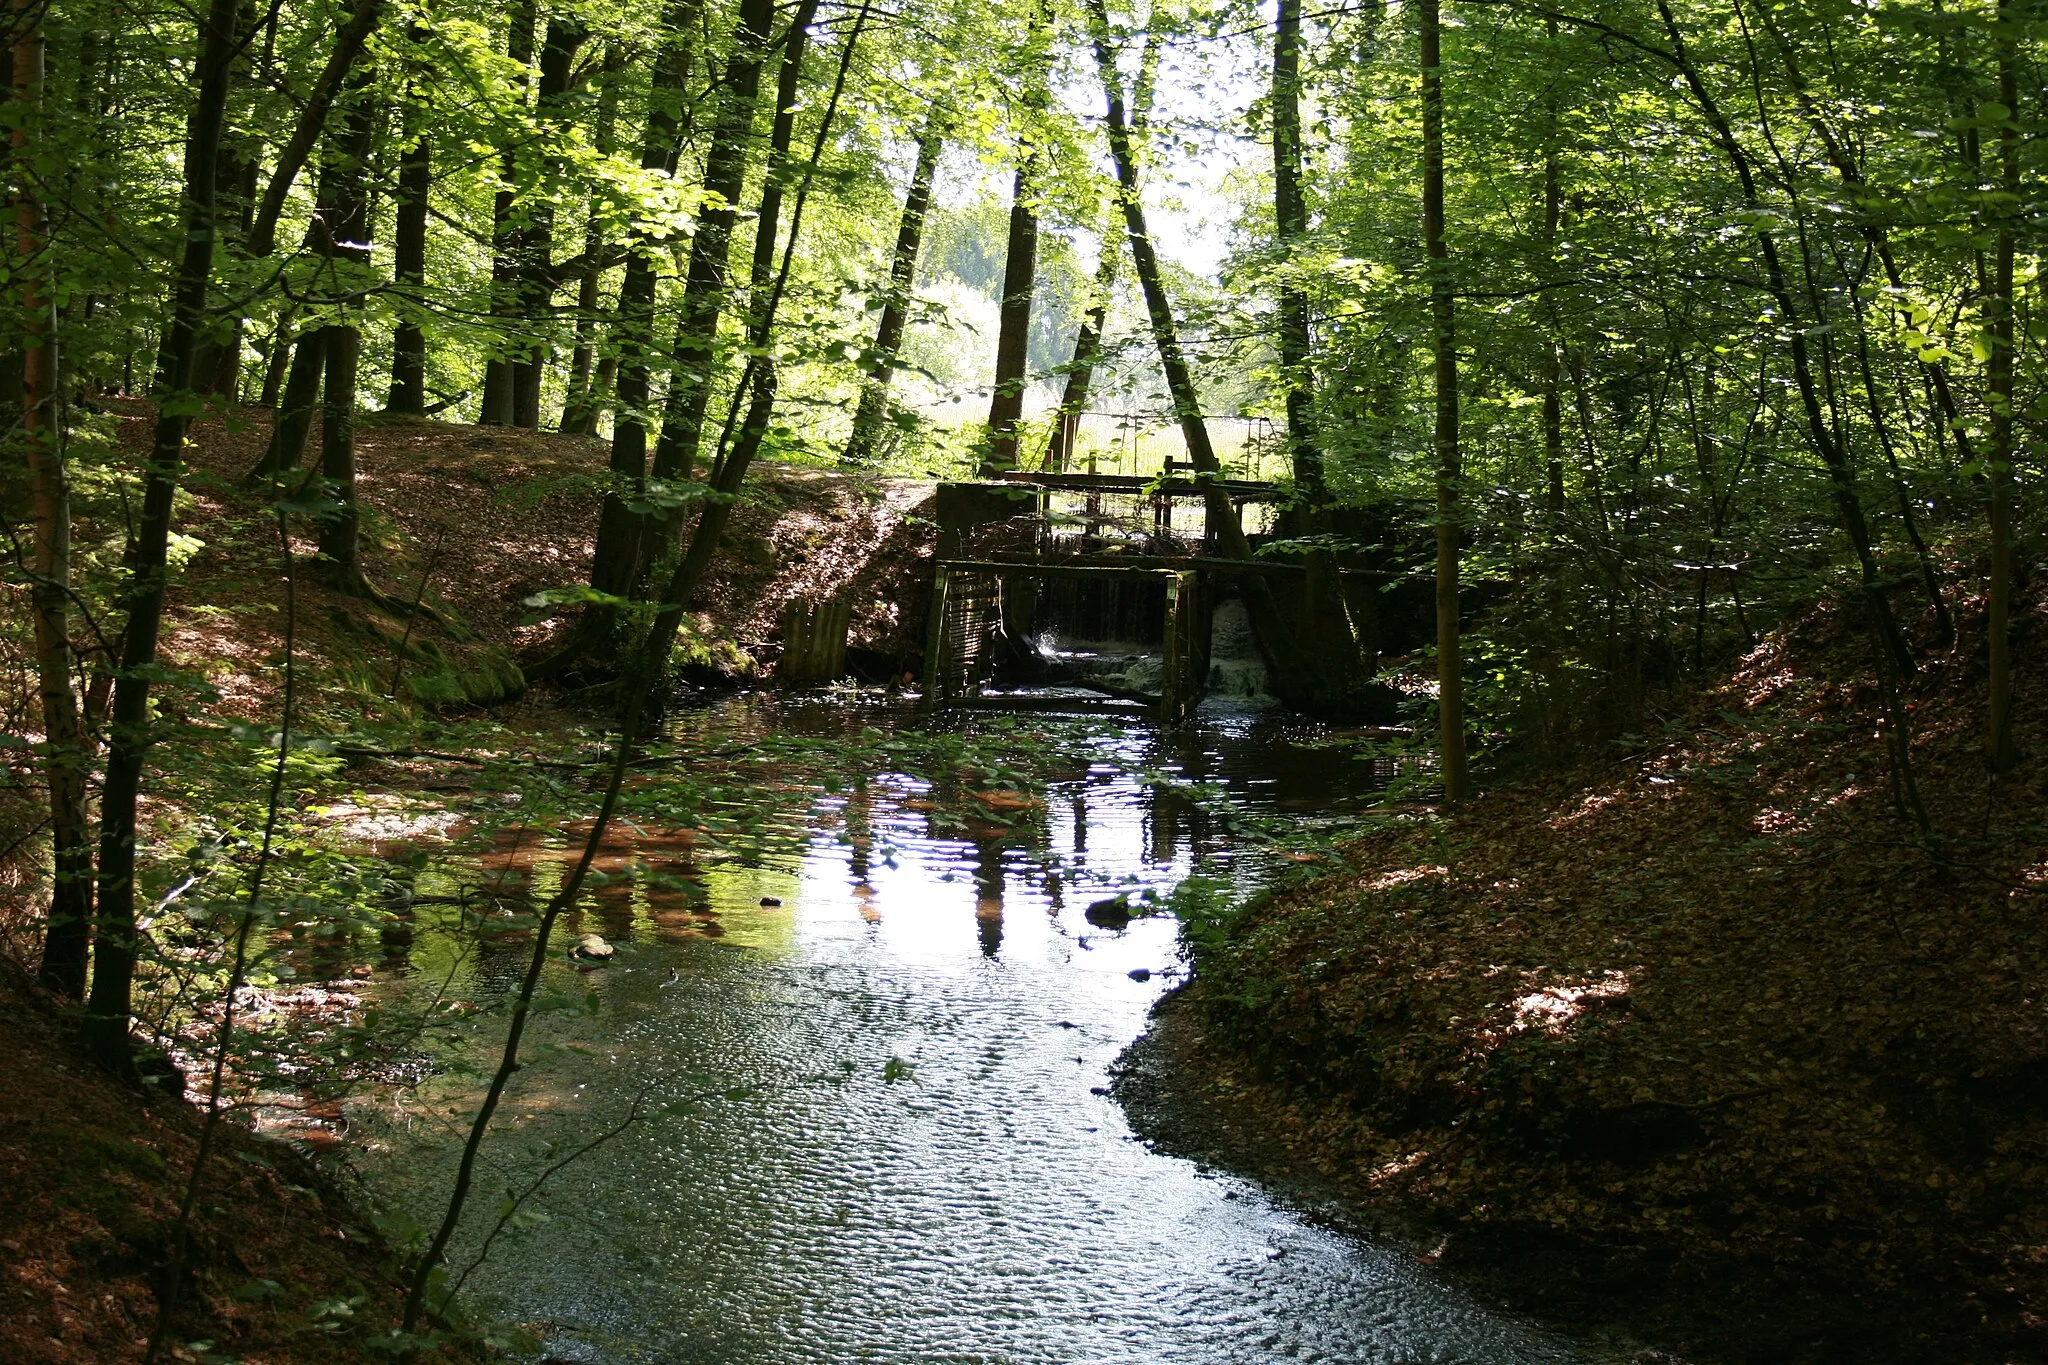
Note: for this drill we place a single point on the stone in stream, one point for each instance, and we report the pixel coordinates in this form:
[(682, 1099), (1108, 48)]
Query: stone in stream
[(593, 948), (1114, 913), (1139, 973)]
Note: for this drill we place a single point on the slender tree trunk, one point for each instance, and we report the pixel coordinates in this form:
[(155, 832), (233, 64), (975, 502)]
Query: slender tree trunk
[(498, 408), (1066, 427), (622, 533), (291, 420), (346, 229), (705, 282), (872, 414), (586, 399), (758, 380), (1553, 360), (1449, 474), (67, 931), (218, 370), (1290, 218), (1843, 159), (408, 395), (730, 470), (1998, 476), (348, 48), (110, 1005), (1292, 667), (1834, 457), (565, 34)]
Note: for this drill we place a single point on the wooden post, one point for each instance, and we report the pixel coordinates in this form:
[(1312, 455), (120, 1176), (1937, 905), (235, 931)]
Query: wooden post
[(814, 641), (1179, 689), (935, 643)]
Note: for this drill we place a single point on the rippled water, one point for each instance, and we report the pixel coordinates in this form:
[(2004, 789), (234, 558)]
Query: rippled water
[(902, 1151)]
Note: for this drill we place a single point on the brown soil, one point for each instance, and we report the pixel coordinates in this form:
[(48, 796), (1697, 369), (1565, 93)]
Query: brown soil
[(479, 519), (95, 1174), (1711, 1040)]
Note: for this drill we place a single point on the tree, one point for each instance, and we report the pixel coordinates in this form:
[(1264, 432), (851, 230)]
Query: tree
[(110, 1003)]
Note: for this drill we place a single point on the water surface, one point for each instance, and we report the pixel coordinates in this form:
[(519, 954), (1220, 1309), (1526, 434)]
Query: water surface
[(879, 1128)]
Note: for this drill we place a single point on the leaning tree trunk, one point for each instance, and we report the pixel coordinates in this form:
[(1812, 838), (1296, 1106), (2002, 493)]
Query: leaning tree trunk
[(536, 237), (1080, 368), (68, 928), (1066, 426), (872, 414), (622, 533), (758, 379), (731, 469), (1443, 341), (349, 46), (110, 1005), (1294, 669), (1834, 457)]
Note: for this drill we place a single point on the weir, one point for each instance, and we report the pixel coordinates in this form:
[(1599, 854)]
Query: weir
[(1046, 583)]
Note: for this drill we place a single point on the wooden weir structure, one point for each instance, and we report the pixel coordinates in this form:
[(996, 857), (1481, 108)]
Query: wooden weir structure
[(1097, 530)]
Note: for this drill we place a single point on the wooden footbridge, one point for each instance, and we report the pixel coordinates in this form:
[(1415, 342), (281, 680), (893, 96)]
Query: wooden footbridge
[(1106, 533)]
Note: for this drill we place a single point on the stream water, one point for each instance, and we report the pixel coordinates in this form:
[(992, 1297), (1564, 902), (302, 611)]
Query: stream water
[(876, 1126)]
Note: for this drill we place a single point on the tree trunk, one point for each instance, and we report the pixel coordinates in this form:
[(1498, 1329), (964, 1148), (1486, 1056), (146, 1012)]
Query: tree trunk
[(536, 238), (731, 469), (1290, 218), (346, 233), (291, 418), (586, 399), (110, 1005), (1553, 360), (1066, 427), (348, 48), (870, 416), (622, 533), (499, 405), (704, 284), (66, 757), (1834, 457), (1998, 476), (1443, 341), (1292, 668), (408, 395), (1013, 332)]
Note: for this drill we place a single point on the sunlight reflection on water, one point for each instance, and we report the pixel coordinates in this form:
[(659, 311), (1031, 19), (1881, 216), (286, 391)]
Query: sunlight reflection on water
[(923, 1168)]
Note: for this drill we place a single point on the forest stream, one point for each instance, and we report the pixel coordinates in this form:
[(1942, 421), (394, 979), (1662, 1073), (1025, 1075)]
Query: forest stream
[(876, 1120)]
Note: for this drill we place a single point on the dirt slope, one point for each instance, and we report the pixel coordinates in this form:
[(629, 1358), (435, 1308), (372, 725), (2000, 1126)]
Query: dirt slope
[(1713, 1038)]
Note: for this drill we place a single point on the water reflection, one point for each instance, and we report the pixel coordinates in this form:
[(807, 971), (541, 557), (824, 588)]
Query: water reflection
[(881, 1136)]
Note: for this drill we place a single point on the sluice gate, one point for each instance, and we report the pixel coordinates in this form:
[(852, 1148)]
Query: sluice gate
[(1077, 592)]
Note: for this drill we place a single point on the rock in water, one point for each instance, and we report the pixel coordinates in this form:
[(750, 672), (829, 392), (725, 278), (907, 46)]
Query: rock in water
[(1139, 973), (1114, 913), (593, 948)]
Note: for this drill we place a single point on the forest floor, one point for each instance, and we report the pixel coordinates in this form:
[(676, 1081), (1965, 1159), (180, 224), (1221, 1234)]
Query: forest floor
[(478, 521), (1709, 1040), (280, 1268)]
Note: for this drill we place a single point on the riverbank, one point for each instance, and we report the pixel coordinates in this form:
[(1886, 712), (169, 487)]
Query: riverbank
[(282, 1269), (1709, 1040)]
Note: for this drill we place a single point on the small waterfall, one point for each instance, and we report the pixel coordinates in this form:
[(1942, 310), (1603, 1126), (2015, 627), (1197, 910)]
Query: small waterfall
[(1235, 668)]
